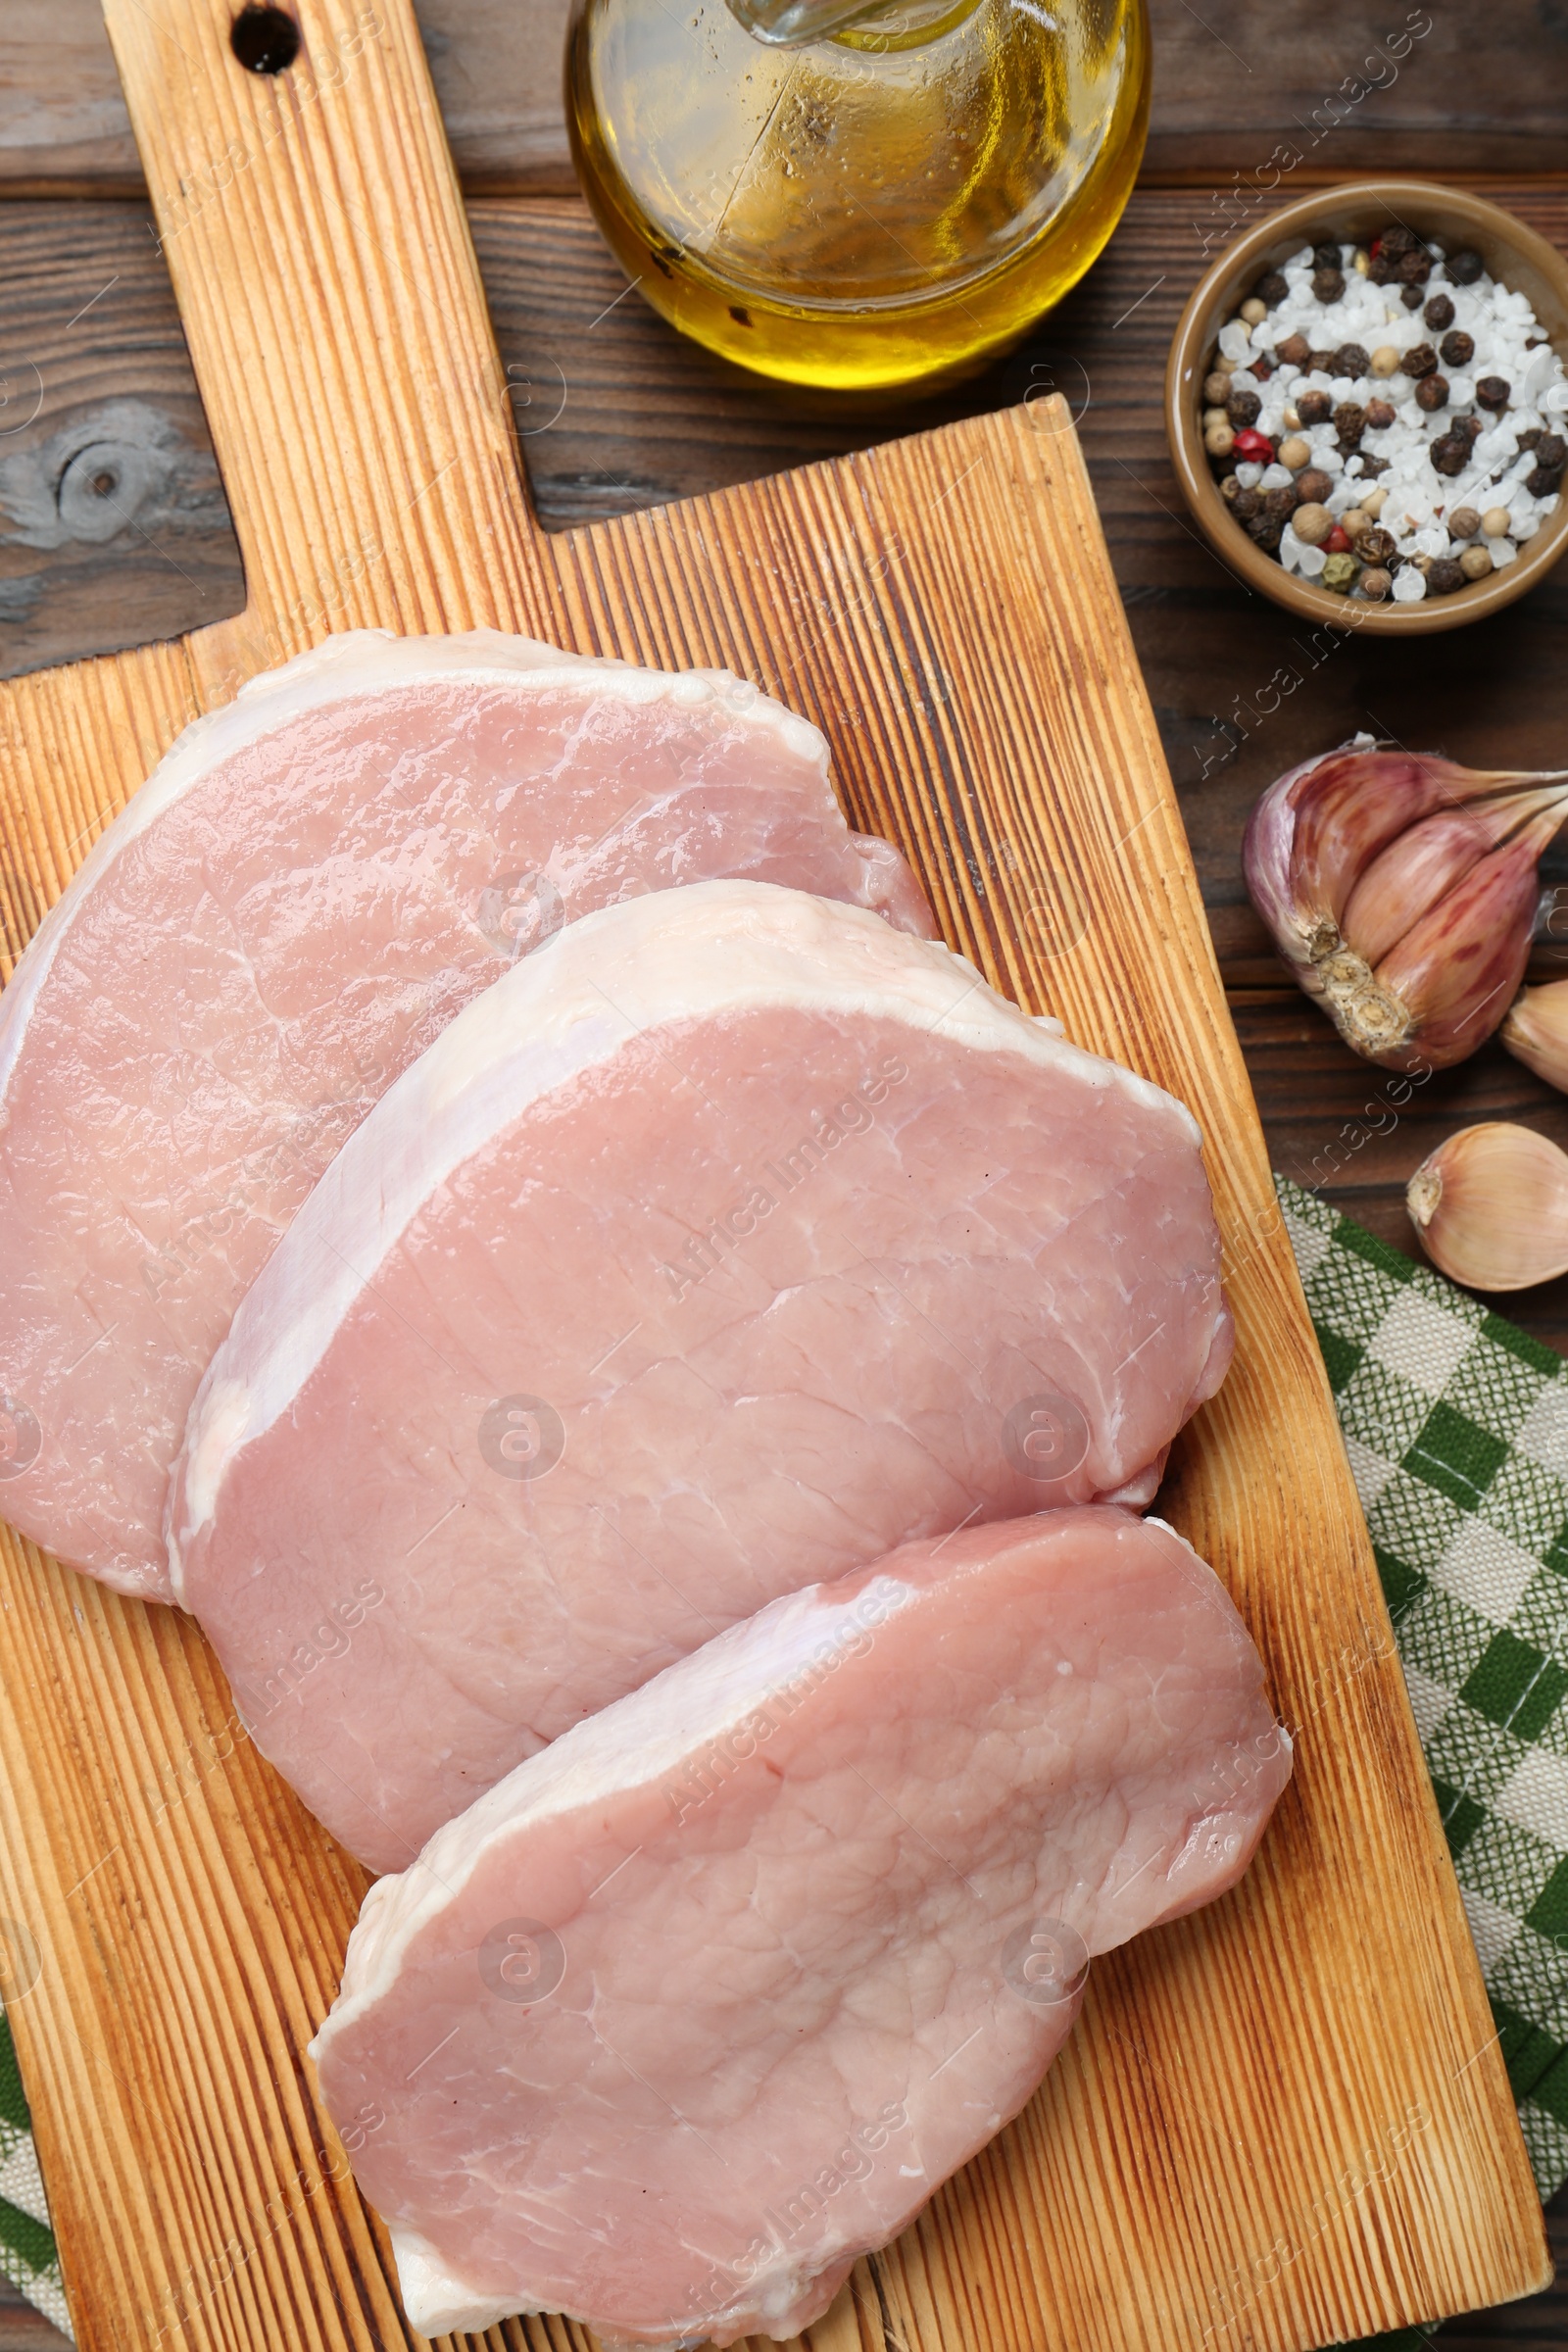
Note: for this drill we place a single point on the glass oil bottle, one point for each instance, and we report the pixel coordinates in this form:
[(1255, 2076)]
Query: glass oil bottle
[(857, 197)]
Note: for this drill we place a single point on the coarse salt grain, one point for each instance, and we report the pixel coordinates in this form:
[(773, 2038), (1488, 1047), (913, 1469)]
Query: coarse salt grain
[(1408, 586)]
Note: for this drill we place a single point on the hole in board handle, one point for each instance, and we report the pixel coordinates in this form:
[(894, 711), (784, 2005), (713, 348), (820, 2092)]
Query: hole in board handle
[(266, 40)]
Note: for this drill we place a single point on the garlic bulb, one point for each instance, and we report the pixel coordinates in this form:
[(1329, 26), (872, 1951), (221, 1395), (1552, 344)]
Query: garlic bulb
[(1401, 890), (1490, 1204), (1536, 1031)]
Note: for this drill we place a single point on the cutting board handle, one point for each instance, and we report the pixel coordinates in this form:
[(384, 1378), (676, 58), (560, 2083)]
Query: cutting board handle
[(327, 284)]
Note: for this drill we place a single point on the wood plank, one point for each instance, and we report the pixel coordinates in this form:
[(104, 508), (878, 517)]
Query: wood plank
[(114, 528), (23, 2330), (1232, 83), (946, 609), (1539, 2325)]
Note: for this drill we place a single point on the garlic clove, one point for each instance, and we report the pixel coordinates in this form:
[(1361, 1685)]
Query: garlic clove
[(1314, 830), (1536, 1031), (1359, 801), (1405, 881), (1491, 1206), (1456, 971)]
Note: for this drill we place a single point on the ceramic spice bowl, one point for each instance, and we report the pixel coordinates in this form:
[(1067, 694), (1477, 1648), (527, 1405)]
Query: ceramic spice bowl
[(1359, 215)]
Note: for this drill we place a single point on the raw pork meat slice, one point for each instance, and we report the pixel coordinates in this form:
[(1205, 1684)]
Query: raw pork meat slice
[(725, 1245), (706, 2000), (299, 899)]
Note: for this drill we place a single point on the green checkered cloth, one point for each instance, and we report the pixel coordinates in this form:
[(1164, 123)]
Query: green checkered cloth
[(1457, 1425), (26, 2241)]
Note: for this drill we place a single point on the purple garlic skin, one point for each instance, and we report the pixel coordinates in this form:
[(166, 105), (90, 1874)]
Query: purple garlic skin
[(1401, 889)]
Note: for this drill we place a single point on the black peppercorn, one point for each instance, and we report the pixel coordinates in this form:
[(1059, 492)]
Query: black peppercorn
[(1432, 393), (1243, 406), (1375, 545), (1267, 529), (1492, 392), (1465, 267), (1379, 416), (1282, 503), (1551, 451), (1327, 285), (1450, 453), (1419, 360), (1372, 466), (1313, 486), (1471, 426), (1544, 481), (1528, 440), (1271, 288), (1350, 359), (1246, 504), (1349, 420), (1439, 313), (1458, 349), (1293, 351), (1444, 577), (1320, 362), (1410, 296), (1313, 408), (1326, 255), (1380, 269), (1397, 240), (1415, 268)]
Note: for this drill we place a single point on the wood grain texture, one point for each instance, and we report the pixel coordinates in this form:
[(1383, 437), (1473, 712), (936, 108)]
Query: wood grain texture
[(1232, 80), (1282, 2123), (114, 529), (23, 2330)]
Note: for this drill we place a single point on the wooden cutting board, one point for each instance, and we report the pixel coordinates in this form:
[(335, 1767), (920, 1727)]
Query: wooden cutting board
[(1282, 2123)]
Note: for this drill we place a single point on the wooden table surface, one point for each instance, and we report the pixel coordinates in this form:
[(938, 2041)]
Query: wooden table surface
[(97, 397)]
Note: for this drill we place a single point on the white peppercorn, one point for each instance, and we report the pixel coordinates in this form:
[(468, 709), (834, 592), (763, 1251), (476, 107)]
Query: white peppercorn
[(1494, 522), (1475, 563)]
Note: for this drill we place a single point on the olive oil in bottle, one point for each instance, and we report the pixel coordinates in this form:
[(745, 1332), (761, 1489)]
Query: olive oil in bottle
[(856, 198)]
